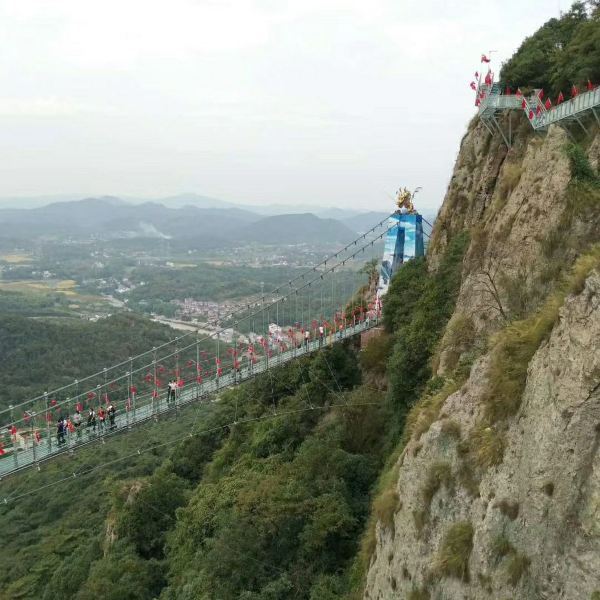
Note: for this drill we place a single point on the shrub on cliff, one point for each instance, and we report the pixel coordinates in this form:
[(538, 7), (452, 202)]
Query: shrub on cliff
[(420, 319)]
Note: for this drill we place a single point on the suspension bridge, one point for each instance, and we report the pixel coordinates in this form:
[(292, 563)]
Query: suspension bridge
[(322, 306)]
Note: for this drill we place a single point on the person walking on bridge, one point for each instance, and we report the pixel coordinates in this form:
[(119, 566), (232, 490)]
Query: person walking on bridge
[(60, 431), (172, 390), (77, 423), (111, 411), (91, 420), (101, 419)]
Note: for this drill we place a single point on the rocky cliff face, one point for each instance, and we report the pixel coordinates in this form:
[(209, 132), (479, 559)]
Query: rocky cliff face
[(505, 503)]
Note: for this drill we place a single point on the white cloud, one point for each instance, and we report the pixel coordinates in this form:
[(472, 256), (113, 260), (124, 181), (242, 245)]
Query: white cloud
[(51, 107), (255, 100)]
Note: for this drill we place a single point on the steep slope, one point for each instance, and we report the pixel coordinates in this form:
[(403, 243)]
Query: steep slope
[(495, 491), (531, 521)]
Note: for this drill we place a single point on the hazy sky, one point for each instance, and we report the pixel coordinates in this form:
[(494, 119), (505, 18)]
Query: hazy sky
[(330, 102)]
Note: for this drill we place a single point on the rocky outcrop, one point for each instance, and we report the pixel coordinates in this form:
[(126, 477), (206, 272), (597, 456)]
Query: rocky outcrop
[(512, 202), (536, 516)]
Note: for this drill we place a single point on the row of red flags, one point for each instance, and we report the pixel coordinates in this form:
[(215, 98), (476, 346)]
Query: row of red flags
[(489, 78), (150, 378)]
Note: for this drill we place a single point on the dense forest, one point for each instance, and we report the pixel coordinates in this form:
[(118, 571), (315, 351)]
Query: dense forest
[(562, 53), (268, 498)]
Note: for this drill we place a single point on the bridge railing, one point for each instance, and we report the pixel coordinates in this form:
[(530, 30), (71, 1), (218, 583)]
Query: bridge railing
[(582, 103), (495, 101), (147, 408)]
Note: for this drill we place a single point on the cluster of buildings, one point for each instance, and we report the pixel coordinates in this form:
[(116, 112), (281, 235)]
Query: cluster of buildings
[(206, 309)]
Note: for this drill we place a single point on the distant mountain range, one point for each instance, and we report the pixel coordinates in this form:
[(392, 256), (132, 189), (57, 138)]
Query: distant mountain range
[(183, 200), (114, 218), (188, 219)]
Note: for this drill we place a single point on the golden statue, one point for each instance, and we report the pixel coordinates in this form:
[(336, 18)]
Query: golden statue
[(404, 200)]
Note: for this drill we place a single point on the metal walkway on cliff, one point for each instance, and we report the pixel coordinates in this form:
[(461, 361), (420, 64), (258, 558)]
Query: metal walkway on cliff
[(315, 310), (493, 102)]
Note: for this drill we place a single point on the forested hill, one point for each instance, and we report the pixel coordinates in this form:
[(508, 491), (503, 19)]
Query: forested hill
[(271, 508)]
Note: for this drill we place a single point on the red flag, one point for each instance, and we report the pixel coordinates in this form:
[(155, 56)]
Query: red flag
[(560, 98), (2, 452), (199, 379), (519, 92), (538, 111), (590, 85), (541, 94), (217, 361), (530, 115), (154, 394), (91, 395), (523, 104), (219, 372), (485, 59), (476, 74), (133, 389), (79, 406), (180, 383), (548, 104), (574, 91), (473, 86)]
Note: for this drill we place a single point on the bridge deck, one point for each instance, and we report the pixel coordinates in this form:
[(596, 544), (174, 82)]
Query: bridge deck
[(570, 110)]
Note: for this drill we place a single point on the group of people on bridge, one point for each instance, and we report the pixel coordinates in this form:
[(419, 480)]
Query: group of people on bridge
[(94, 422)]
